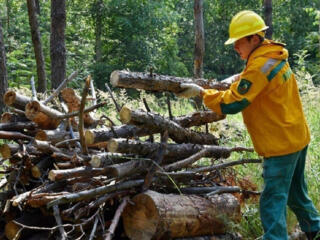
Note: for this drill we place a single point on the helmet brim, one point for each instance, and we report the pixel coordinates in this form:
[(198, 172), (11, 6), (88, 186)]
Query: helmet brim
[(230, 41)]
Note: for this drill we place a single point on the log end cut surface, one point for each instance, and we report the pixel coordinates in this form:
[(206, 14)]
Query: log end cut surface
[(11, 230), (141, 219), (9, 98), (125, 115), (114, 78), (5, 151)]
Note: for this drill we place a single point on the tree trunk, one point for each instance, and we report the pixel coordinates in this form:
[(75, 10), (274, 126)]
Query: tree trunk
[(98, 4), (3, 71), (267, 10), (155, 215), (37, 45), (159, 83), (57, 43), (199, 39)]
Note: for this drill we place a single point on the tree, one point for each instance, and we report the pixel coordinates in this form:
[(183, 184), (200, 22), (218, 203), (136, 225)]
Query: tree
[(267, 10), (36, 39), (199, 39), (3, 70), (57, 42)]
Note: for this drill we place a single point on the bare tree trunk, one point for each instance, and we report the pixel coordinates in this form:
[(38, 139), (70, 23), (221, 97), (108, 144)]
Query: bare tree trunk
[(198, 46), (267, 9), (37, 45), (3, 71), (57, 43)]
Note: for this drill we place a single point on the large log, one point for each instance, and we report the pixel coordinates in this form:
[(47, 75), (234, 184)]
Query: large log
[(157, 123), (45, 117), (160, 83), (154, 215), (16, 100)]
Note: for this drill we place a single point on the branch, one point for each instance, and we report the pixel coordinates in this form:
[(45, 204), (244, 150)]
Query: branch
[(61, 86), (116, 218), (81, 121), (113, 99)]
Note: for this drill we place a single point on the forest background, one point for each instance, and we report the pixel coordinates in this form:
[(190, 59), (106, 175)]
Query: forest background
[(106, 35)]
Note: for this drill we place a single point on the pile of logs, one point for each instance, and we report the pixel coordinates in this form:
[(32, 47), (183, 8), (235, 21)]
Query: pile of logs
[(66, 175)]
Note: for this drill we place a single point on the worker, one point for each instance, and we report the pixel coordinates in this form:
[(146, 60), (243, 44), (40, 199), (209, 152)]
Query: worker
[(267, 94)]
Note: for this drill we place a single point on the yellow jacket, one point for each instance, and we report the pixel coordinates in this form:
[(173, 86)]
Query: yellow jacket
[(268, 96)]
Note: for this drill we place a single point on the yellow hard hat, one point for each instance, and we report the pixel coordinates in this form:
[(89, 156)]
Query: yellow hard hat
[(245, 23)]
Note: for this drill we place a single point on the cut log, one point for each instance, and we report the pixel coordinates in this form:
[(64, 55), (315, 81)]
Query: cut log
[(105, 134), (8, 150), (154, 215), (73, 102), (157, 123), (198, 119), (227, 236), (159, 83), (14, 99), (55, 175), (105, 158), (173, 152), (14, 135), (8, 117), (54, 136), (45, 117), (17, 126), (41, 167)]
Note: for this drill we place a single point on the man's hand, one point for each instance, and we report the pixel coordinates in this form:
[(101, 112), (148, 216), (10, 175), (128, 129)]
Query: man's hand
[(231, 79), (190, 90)]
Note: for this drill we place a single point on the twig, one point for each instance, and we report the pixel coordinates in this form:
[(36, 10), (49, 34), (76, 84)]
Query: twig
[(59, 144), (146, 104), (157, 161), (61, 86), (59, 221), (113, 99), (151, 139), (94, 228), (231, 189), (81, 120), (227, 164), (76, 113), (93, 93), (116, 218), (169, 107), (88, 194)]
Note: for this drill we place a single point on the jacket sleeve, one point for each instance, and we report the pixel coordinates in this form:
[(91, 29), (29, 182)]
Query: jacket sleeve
[(240, 94)]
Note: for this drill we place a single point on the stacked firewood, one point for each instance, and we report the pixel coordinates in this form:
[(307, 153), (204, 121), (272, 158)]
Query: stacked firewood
[(66, 175)]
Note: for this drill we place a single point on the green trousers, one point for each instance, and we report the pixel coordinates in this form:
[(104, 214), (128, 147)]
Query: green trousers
[(284, 184)]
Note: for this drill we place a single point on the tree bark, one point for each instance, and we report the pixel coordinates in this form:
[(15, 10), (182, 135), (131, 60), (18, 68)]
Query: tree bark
[(157, 123), (173, 152), (156, 215), (199, 39), (45, 117), (159, 83), (3, 71), (37, 45), (267, 10), (57, 42)]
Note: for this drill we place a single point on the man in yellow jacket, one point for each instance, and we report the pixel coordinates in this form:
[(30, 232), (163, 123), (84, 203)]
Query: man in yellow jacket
[(266, 93)]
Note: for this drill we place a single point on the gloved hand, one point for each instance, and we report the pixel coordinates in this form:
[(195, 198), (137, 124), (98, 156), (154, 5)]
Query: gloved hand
[(190, 90), (231, 79)]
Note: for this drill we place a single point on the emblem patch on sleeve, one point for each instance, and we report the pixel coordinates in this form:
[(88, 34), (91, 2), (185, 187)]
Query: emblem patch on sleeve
[(244, 86)]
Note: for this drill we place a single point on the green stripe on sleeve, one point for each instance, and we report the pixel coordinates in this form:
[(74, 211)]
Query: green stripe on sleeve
[(235, 107), (277, 69)]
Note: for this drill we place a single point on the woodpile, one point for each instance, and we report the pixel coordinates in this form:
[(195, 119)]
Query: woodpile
[(66, 175)]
